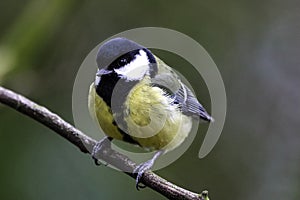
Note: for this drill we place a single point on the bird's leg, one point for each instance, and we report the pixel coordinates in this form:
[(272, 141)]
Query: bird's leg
[(103, 143), (143, 167)]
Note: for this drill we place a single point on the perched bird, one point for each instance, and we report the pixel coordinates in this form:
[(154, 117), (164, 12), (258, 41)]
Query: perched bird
[(139, 99)]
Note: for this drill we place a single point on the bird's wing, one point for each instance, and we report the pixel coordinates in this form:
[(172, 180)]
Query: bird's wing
[(169, 81), (189, 103)]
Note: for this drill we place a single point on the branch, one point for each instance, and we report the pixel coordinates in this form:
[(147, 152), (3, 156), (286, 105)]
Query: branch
[(86, 144)]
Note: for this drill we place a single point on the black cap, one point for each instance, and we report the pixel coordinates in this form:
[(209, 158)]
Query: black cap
[(113, 49)]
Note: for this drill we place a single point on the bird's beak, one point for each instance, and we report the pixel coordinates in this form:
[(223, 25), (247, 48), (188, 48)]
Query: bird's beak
[(100, 72)]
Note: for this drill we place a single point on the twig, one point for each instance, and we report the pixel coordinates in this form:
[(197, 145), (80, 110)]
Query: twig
[(85, 144)]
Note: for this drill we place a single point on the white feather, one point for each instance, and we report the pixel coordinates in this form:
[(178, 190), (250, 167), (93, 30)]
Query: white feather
[(136, 69)]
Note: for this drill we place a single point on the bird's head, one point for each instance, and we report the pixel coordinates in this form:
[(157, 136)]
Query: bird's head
[(126, 59)]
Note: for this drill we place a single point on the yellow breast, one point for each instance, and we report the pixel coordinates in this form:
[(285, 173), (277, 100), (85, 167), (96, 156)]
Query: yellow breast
[(102, 114), (152, 121)]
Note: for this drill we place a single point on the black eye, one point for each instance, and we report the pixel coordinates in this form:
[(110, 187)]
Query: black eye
[(122, 62)]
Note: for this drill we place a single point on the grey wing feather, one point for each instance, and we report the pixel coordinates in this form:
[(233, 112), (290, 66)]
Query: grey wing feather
[(182, 95), (189, 104), (169, 81)]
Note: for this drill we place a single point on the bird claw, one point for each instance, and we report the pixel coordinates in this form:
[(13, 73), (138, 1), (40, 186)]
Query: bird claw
[(143, 167), (101, 144), (140, 170), (97, 162)]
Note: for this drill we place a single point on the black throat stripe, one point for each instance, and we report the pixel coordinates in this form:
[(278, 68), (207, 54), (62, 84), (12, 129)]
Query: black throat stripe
[(114, 90), (108, 82)]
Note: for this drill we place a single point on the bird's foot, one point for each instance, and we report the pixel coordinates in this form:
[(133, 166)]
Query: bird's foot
[(100, 145), (143, 167), (140, 170)]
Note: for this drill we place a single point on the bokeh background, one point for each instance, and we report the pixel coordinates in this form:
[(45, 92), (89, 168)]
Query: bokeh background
[(255, 44)]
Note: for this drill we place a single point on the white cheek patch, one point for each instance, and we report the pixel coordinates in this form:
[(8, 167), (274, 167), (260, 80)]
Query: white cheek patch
[(136, 69)]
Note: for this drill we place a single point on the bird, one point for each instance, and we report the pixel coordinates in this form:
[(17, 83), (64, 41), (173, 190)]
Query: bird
[(138, 99)]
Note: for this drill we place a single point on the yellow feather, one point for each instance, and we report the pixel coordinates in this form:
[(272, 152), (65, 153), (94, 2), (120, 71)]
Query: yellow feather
[(101, 113), (148, 107)]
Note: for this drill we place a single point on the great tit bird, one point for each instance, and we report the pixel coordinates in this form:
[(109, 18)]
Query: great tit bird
[(139, 99)]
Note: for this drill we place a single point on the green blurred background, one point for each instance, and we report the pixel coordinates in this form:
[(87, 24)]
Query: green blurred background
[(256, 46)]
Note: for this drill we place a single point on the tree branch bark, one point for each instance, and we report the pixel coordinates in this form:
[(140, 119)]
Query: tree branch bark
[(85, 144)]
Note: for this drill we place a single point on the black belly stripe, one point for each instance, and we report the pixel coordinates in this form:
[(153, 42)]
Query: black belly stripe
[(114, 90), (126, 136), (105, 90)]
